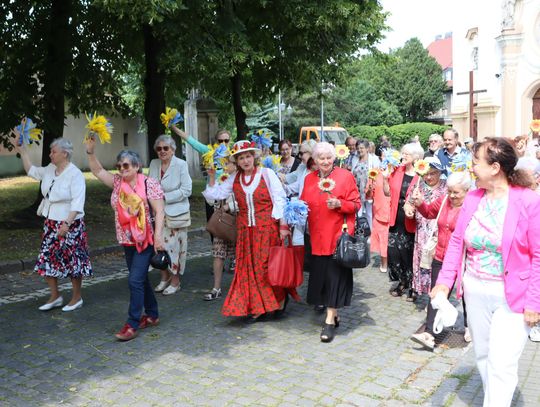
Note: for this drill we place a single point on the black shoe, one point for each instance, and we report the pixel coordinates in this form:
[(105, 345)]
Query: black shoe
[(328, 332), (252, 319), (320, 308), (336, 321), (397, 292), (280, 312)]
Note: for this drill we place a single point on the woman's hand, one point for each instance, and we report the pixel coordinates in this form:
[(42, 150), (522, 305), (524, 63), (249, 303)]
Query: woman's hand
[(385, 173), (439, 288), (283, 233), (158, 243), (15, 140), (63, 229), (417, 197), (531, 317), (409, 210), (333, 203), (91, 144)]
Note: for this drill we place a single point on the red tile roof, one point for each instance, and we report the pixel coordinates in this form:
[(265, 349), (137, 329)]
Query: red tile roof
[(441, 50)]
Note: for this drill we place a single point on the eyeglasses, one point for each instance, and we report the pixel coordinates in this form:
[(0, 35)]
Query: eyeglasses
[(302, 152), (432, 141), (225, 140), (124, 166), (164, 148)]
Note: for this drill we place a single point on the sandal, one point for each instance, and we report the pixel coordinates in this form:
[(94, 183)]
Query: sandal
[(411, 296), (213, 295), (397, 292), (328, 332)]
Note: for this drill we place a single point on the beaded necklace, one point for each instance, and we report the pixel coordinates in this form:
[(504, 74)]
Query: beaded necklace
[(243, 178)]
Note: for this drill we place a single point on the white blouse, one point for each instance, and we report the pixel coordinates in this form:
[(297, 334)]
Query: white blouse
[(62, 193), (279, 199)]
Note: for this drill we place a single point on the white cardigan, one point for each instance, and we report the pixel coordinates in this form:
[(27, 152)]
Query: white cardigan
[(62, 194), (176, 184)]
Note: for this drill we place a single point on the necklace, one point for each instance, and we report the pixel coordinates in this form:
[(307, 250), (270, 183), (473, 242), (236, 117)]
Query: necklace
[(243, 178)]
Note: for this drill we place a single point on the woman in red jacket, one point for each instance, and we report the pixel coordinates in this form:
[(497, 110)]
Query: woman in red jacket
[(458, 184), (332, 197)]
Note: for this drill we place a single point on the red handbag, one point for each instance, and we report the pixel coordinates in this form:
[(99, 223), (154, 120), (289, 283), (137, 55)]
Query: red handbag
[(286, 265)]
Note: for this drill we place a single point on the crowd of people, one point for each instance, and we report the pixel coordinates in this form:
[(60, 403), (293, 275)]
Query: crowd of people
[(464, 216)]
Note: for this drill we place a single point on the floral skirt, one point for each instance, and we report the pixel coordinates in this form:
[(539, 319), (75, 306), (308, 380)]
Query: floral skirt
[(65, 256), (175, 241)]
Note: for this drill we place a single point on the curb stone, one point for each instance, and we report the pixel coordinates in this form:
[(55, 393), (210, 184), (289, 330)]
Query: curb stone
[(15, 266)]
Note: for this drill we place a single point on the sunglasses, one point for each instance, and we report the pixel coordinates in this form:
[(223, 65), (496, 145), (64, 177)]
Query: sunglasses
[(225, 140), (123, 166), (164, 148)]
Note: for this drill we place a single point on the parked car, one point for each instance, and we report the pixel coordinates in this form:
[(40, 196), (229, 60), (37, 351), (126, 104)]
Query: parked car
[(336, 135)]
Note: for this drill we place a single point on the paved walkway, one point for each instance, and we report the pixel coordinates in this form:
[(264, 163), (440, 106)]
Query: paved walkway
[(198, 357)]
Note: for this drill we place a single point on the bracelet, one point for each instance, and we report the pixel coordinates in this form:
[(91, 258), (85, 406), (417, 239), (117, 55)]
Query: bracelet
[(284, 227)]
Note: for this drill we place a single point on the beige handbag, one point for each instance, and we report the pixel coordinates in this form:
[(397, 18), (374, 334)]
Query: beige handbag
[(428, 251), (179, 221)]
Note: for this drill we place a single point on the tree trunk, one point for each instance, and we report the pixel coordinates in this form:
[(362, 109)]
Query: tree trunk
[(154, 88), (239, 114), (58, 61)]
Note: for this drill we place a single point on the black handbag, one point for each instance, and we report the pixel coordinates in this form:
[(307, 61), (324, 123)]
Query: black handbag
[(353, 251)]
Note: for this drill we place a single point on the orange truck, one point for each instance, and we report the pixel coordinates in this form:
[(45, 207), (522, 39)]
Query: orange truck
[(336, 135)]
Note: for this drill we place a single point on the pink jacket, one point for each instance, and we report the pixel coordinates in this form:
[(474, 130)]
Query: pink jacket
[(520, 246)]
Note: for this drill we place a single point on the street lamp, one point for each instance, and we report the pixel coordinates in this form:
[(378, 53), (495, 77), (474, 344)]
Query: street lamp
[(281, 108)]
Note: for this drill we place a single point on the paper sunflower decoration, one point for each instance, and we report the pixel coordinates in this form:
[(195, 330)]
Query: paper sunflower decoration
[(215, 156), (421, 167), (272, 162), (28, 132), (295, 212), (460, 163), (392, 159), (327, 185), (100, 126), (261, 139), (170, 117), (223, 177), (342, 151), (372, 174), (535, 126)]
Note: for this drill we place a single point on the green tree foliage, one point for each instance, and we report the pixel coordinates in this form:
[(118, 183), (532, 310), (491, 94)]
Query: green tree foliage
[(58, 57), (399, 134)]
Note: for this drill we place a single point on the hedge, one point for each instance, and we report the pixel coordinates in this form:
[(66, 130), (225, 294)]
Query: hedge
[(399, 134)]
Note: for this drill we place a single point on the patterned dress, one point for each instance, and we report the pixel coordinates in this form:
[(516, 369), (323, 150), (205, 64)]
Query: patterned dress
[(421, 282), (250, 292)]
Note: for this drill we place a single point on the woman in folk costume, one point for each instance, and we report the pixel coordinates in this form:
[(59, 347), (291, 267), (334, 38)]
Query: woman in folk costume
[(132, 196), (260, 224)]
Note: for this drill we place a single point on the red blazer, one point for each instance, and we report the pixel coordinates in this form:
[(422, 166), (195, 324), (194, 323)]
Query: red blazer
[(325, 224), (395, 181)]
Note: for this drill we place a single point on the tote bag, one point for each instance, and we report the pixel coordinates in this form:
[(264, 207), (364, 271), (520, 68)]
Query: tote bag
[(286, 265)]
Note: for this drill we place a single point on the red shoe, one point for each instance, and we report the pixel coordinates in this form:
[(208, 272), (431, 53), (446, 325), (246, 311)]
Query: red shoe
[(147, 321), (127, 333)]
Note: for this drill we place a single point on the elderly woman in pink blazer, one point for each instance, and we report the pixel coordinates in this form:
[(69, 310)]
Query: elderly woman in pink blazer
[(494, 254)]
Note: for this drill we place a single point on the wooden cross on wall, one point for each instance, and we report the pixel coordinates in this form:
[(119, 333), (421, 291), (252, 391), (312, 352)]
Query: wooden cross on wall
[(471, 92)]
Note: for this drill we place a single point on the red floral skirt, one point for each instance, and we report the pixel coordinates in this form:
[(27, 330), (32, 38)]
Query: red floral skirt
[(250, 292), (64, 256)]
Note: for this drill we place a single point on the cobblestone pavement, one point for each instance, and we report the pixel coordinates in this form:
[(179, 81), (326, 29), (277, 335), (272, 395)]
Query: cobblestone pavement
[(198, 357)]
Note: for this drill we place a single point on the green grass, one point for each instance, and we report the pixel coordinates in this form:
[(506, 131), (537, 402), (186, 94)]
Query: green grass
[(21, 228)]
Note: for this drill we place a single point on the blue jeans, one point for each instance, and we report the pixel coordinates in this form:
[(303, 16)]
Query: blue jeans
[(141, 292)]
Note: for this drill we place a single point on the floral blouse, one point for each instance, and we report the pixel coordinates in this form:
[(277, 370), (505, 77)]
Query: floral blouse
[(483, 239), (154, 191)]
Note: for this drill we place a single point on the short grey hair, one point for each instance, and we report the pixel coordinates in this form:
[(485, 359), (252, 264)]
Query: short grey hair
[(324, 148), (133, 157), (308, 145), (435, 136), (413, 149), (461, 178), (164, 138), (63, 144)]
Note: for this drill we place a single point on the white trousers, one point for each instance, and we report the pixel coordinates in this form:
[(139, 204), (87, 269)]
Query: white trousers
[(499, 336)]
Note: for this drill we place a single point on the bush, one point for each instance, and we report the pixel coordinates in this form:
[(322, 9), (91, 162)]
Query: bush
[(399, 134)]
